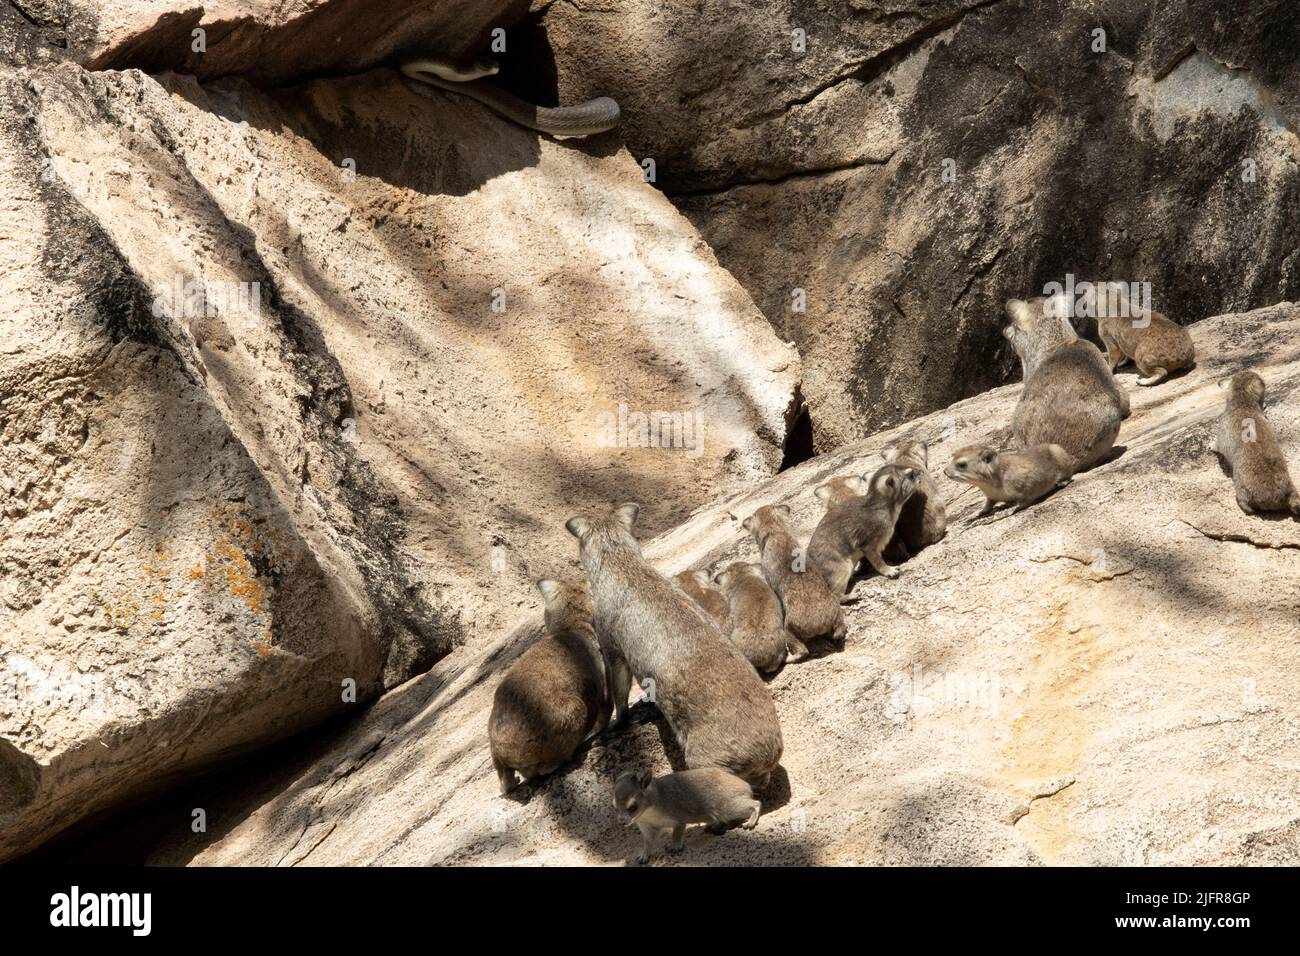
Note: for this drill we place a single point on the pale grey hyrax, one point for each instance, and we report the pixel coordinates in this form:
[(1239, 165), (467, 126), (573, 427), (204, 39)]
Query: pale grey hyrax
[(756, 623), (811, 611), (923, 520), (699, 587), (1018, 477), (718, 707), (709, 796), (840, 489), (1247, 444), (861, 528), (555, 696), (1070, 397), (1154, 343)]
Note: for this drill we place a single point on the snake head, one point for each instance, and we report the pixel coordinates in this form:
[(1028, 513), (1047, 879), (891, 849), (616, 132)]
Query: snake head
[(485, 66)]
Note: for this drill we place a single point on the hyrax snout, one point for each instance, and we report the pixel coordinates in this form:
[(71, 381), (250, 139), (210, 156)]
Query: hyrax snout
[(756, 623), (923, 520), (1246, 442), (555, 695), (1018, 477), (672, 802), (861, 528), (717, 706), (811, 610), (1070, 397)]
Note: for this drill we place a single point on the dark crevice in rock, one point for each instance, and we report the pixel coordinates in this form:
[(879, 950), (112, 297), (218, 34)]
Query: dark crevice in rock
[(779, 179), (798, 436)]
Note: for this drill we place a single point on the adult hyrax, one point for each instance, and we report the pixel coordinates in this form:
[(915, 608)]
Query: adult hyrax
[(756, 624), (1153, 342), (840, 489), (1070, 397), (923, 520), (1247, 443), (718, 708), (811, 610), (555, 696), (861, 528), (708, 795), (1019, 477), (699, 587)]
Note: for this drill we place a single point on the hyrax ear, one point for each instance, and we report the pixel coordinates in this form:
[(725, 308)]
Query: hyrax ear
[(923, 450), (889, 453), (1018, 312), (749, 524), (782, 510), (578, 526), (550, 589), (643, 780), (822, 492), (626, 514), (987, 456)]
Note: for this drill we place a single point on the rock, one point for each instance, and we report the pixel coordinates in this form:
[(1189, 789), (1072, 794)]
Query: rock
[(918, 164), (1106, 678), (341, 461)]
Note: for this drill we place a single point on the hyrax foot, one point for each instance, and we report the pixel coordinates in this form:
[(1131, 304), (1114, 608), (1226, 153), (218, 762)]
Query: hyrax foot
[(1245, 505), (796, 650), (508, 780), (752, 820), (1157, 376)]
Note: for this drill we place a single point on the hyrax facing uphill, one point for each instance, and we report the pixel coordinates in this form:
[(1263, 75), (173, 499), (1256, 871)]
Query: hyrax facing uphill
[(1070, 397), (555, 695), (718, 708), (1020, 477), (861, 528), (702, 592), (756, 625), (840, 489), (811, 611), (710, 796), (923, 520), (1247, 443), (1154, 343)]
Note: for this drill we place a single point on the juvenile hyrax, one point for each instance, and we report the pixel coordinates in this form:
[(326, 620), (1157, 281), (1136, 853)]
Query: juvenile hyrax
[(923, 520), (1070, 397), (718, 708), (861, 528), (1020, 477), (710, 796), (555, 695), (756, 624), (1154, 343), (1247, 443), (701, 590), (840, 489), (811, 611)]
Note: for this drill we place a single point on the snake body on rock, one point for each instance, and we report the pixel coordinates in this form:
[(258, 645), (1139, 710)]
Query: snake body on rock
[(593, 116)]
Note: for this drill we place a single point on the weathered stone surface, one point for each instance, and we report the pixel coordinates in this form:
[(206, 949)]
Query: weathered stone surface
[(824, 170), (214, 514), (1106, 678), (270, 42)]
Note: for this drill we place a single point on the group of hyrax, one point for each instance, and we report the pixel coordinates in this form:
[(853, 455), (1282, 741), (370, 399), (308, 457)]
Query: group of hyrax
[(700, 641)]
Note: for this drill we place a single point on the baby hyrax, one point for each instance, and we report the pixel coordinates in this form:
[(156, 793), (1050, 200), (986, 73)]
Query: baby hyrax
[(1070, 397), (861, 528), (555, 695), (1020, 477), (717, 706), (1154, 343), (840, 489), (707, 795), (698, 585), (756, 625), (923, 520), (811, 610), (1247, 443)]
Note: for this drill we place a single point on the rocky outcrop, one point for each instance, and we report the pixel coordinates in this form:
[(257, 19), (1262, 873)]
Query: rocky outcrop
[(882, 189), (1105, 678), (270, 43), (296, 390)]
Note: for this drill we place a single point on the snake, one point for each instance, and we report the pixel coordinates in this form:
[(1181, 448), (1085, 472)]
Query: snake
[(594, 116)]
